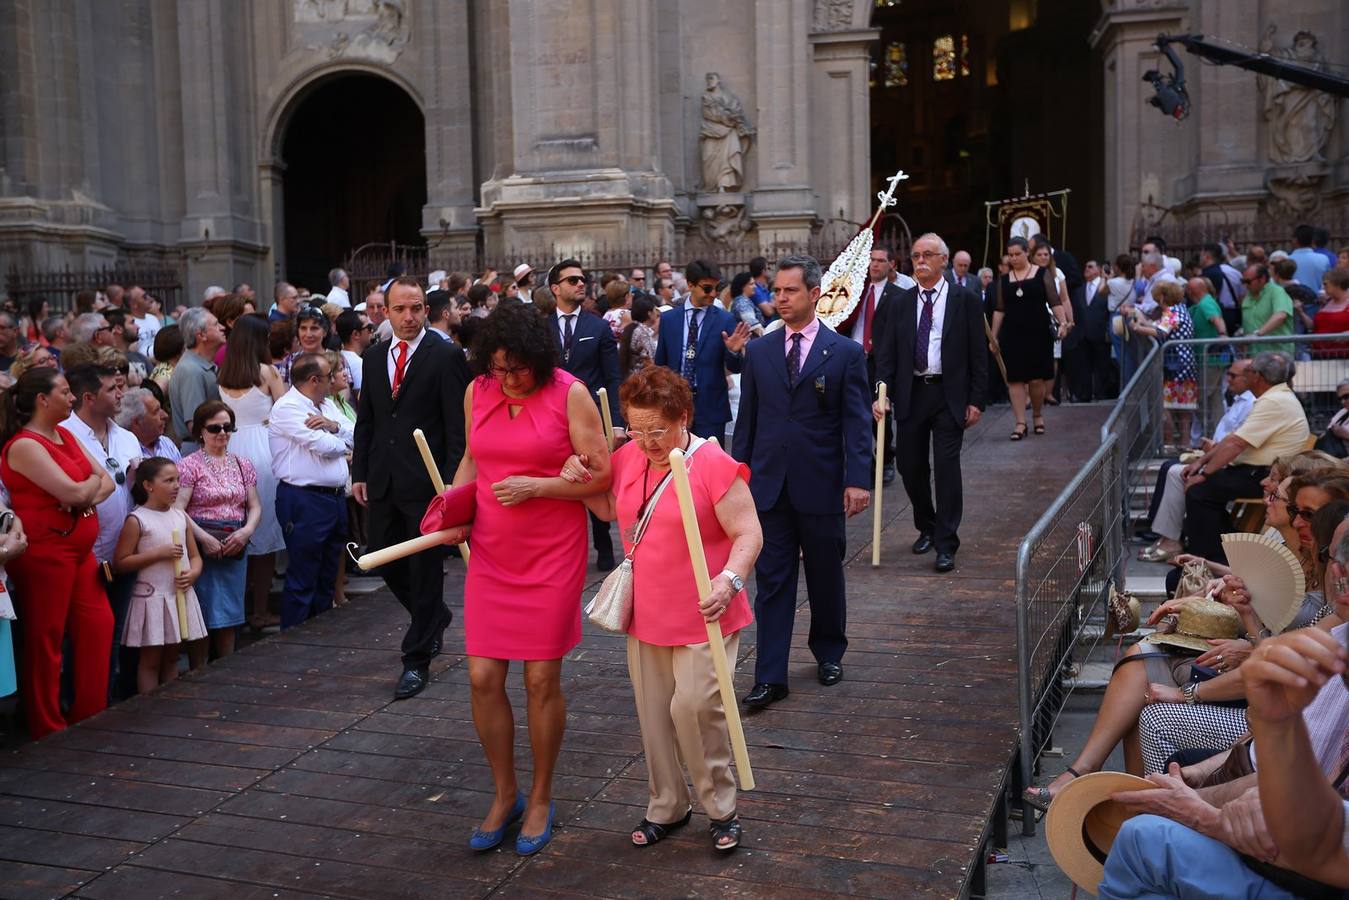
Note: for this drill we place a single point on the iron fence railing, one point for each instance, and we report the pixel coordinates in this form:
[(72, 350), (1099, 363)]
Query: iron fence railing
[(59, 286), (1063, 571)]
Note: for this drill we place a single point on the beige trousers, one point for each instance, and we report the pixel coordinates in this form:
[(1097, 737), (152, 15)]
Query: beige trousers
[(682, 719)]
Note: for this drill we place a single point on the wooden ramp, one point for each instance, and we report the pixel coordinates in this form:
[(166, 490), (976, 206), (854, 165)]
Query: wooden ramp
[(287, 770)]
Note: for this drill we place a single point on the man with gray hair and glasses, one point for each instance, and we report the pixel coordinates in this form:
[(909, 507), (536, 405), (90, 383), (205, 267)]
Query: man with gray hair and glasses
[(1276, 427), (193, 379)]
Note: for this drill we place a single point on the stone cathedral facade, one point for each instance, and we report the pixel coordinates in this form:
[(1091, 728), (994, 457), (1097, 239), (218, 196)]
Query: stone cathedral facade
[(242, 140)]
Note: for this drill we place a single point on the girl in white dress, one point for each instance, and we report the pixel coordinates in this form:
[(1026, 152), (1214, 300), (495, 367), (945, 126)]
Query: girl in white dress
[(249, 384), (147, 547)]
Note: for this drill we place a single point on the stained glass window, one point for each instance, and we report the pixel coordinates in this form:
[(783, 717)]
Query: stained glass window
[(896, 65), (886, 4), (964, 55), (944, 58)]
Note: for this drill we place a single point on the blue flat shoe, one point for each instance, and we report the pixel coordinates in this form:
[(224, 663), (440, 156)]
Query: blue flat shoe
[(528, 845), (488, 840)]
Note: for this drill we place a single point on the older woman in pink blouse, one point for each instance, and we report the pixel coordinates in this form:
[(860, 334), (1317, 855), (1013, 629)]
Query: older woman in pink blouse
[(669, 658)]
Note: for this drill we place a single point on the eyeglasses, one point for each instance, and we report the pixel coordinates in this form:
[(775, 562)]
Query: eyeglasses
[(1343, 397), (575, 280), (503, 373), (1231, 374), (328, 377), (653, 436), (103, 328), (1274, 497), (226, 427), (707, 287), (1298, 512), (115, 468), (369, 327), (924, 254)]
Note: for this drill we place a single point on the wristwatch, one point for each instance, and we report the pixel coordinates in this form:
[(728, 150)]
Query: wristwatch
[(1190, 691), (737, 583)]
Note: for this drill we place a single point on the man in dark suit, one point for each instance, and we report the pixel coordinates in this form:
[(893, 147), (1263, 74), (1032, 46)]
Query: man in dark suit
[(805, 432), (415, 380), (587, 349), (701, 342), (865, 325), (934, 358)]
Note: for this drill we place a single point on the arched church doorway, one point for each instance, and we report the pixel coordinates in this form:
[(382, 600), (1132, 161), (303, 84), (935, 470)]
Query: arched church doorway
[(973, 98), (355, 171)]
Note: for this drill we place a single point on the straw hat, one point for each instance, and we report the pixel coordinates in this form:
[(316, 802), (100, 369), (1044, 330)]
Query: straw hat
[(1082, 823), (1200, 621)]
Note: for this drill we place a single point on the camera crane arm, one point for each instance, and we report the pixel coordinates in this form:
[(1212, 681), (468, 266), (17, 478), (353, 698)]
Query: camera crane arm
[(1261, 63)]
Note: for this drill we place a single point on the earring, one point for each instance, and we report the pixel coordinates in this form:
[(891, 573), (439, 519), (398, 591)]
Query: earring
[(683, 429)]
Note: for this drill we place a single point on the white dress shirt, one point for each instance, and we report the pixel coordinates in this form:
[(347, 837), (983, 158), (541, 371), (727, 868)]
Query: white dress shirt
[(904, 281), (354, 364), (938, 317), (308, 457), (339, 296), (859, 327), (122, 449), (393, 354)]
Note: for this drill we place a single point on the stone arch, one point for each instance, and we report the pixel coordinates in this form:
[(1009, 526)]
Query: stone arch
[(303, 84)]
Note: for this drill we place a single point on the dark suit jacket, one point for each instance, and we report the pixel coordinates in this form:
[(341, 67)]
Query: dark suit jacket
[(889, 296), (964, 352), (431, 398), (594, 357), (814, 439), (711, 404)]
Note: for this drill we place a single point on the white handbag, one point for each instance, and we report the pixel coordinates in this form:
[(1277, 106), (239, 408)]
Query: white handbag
[(611, 607)]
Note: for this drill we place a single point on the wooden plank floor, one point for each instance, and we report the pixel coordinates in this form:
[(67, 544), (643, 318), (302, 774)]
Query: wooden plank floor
[(287, 771)]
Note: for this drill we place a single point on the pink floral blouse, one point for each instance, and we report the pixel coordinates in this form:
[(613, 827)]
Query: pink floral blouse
[(219, 486)]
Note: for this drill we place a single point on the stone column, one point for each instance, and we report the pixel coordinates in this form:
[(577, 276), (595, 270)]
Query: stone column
[(578, 167), (841, 116), (783, 200), (1134, 162), (448, 220)]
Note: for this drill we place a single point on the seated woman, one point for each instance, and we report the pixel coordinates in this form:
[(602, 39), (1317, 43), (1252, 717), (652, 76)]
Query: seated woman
[(1169, 725), (679, 706), (1132, 684)]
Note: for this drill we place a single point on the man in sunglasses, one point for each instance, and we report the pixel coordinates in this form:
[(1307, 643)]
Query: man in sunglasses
[(703, 342), (98, 399), (587, 350)]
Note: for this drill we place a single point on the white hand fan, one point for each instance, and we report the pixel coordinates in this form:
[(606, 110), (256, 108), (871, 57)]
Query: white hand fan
[(1272, 574)]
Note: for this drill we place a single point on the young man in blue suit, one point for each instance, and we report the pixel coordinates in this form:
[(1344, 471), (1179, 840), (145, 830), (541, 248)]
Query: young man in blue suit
[(587, 349), (805, 431), (702, 343)]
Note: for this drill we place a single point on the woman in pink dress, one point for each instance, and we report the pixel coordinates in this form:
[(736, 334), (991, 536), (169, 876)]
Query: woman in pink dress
[(524, 417)]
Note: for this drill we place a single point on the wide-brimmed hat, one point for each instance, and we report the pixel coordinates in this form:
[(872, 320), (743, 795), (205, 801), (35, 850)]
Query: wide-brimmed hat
[(1198, 622), (1083, 821)]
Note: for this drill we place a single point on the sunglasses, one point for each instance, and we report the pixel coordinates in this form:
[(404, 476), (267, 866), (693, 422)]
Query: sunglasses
[(226, 427), (1343, 397), (1296, 512), (115, 468), (1273, 497), (575, 280), (707, 288)]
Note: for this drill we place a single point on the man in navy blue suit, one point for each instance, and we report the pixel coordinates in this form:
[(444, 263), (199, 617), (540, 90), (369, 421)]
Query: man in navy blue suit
[(701, 342), (587, 350), (805, 431)]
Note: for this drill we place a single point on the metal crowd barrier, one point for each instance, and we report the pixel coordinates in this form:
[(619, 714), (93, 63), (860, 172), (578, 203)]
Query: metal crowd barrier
[(1067, 560), (1063, 571)]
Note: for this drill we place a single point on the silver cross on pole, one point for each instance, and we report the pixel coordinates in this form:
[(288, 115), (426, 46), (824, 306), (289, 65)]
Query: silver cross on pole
[(887, 197)]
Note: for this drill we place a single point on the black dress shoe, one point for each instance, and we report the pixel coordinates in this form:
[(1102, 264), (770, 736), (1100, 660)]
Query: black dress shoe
[(945, 562), (410, 684), (888, 475), (923, 544), (830, 673), (764, 694), (437, 645)]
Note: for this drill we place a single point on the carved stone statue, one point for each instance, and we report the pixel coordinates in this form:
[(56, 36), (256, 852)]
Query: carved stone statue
[(723, 139), (1300, 118)]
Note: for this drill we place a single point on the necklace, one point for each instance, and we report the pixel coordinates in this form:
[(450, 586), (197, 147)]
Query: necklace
[(1019, 291)]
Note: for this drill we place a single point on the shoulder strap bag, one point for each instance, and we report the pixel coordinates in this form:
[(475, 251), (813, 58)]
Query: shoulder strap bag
[(611, 607)]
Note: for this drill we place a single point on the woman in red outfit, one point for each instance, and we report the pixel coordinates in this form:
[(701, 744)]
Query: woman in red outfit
[(524, 416), (54, 485), (1333, 316)]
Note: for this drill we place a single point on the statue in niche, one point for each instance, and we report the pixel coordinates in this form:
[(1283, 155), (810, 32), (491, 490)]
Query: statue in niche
[(1299, 118), (723, 139)]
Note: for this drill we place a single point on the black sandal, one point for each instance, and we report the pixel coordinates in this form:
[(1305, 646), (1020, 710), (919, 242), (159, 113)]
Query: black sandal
[(1040, 428), (1018, 432), (725, 828), (654, 832)]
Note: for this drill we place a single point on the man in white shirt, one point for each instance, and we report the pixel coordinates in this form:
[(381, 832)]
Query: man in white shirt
[(355, 333), (310, 440), (97, 399), (147, 326), (340, 285), (1151, 270), (896, 276)]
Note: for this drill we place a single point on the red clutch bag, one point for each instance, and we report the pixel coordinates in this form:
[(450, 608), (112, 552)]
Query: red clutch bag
[(451, 509)]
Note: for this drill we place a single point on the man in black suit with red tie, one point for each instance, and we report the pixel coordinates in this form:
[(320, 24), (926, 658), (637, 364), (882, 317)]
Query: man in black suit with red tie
[(414, 380), (865, 325), (933, 356)]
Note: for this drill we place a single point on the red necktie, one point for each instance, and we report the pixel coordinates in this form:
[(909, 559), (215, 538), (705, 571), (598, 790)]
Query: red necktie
[(400, 365), (869, 308)]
